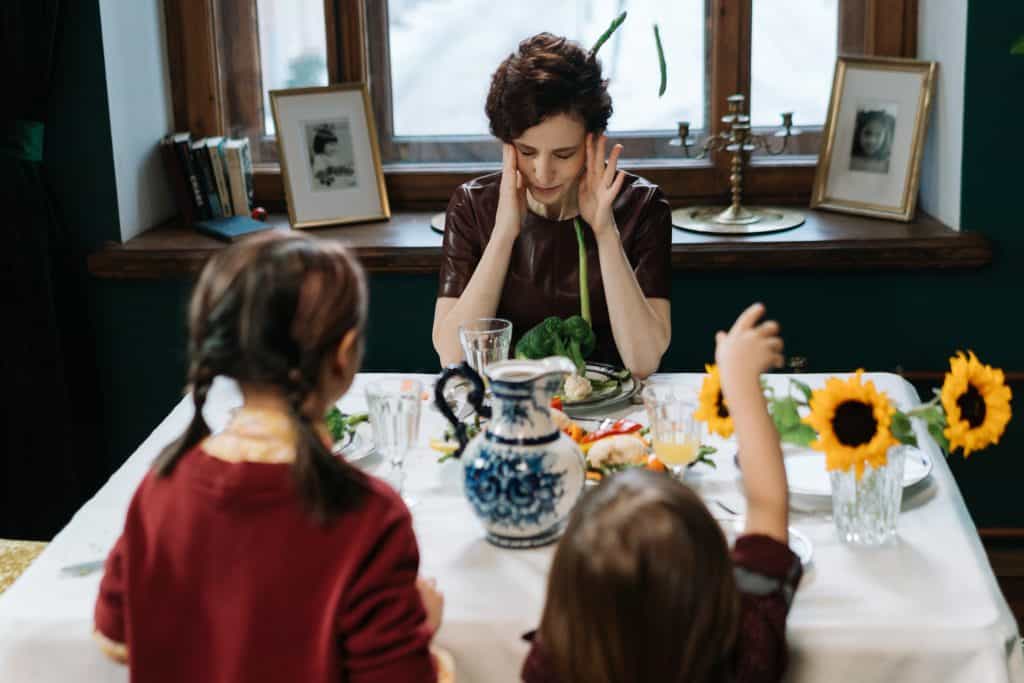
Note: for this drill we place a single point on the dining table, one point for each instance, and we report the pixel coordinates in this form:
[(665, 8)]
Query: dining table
[(924, 607)]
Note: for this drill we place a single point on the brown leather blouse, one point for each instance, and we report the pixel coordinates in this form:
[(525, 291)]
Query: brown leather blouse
[(543, 273)]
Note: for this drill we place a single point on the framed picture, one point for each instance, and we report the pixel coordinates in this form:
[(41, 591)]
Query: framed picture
[(871, 148), (330, 162)]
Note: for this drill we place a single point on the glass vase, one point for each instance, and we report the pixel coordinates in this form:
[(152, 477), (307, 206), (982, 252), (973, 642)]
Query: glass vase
[(865, 511)]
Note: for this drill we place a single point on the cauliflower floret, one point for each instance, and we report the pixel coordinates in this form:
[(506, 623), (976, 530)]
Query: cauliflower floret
[(619, 449), (577, 388)]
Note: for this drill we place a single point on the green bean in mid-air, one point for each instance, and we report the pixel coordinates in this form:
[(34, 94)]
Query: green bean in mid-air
[(661, 62), (616, 23)]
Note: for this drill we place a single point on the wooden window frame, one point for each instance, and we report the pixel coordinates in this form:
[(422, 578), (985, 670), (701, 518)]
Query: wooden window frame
[(203, 103)]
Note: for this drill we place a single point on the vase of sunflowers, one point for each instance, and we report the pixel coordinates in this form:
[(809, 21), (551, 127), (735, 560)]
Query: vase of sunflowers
[(865, 437)]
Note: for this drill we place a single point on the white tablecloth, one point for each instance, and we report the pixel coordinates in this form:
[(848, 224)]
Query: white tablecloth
[(925, 609)]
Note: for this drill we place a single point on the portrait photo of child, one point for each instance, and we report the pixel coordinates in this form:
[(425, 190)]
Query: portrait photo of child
[(872, 138), (331, 158)]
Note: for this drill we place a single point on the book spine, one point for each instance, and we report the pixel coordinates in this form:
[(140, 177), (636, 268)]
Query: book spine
[(201, 158), (228, 201), (184, 151), (178, 177), (218, 178), (243, 153), (239, 200)]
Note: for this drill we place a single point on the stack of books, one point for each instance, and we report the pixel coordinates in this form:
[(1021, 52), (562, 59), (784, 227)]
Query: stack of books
[(212, 182)]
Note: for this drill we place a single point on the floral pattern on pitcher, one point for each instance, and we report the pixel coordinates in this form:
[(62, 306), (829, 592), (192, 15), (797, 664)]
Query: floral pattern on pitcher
[(512, 489)]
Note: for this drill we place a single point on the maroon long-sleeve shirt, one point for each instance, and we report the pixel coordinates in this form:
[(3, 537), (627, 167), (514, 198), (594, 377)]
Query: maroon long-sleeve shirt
[(767, 574), (220, 575)]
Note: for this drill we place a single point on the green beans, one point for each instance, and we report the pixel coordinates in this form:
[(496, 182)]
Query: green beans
[(616, 23), (661, 62)]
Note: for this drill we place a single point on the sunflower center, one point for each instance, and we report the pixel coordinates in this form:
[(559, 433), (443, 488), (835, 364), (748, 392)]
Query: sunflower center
[(720, 404), (972, 406), (854, 423)]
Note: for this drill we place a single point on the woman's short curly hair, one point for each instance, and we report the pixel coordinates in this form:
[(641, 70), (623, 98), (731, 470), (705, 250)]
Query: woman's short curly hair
[(547, 75)]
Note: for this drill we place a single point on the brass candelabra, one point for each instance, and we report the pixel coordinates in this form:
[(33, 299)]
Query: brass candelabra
[(740, 141)]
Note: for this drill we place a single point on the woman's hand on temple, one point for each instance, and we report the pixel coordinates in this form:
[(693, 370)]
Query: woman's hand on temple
[(600, 185), (511, 194)]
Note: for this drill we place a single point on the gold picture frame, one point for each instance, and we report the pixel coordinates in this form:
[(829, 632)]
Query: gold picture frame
[(330, 158), (873, 140)]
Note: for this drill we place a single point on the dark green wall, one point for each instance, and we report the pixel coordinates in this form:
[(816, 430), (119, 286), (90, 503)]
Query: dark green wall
[(879, 321)]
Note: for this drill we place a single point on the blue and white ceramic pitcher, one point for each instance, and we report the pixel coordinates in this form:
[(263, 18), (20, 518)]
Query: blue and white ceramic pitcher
[(522, 475)]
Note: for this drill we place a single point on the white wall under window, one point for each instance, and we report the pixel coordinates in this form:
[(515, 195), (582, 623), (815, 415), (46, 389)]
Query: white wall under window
[(942, 37), (139, 99)]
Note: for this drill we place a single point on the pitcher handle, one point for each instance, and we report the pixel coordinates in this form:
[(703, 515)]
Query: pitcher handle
[(475, 398)]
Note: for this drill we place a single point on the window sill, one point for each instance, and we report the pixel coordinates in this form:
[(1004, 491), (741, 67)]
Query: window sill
[(406, 244)]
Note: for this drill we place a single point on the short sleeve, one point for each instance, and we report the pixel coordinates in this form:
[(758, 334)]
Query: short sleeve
[(382, 623), (462, 247), (767, 574), (650, 249), (108, 616)]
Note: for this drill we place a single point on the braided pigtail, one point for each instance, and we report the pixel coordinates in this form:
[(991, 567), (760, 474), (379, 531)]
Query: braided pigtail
[(197, 429), (326, 484)]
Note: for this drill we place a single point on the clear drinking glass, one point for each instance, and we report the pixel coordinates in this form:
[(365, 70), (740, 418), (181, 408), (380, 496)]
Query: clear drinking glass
[(865, 511), (485, 341), (675, 433), (394, 406)]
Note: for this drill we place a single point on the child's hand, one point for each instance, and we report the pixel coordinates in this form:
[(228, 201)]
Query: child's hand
[(433, 601), (748, 349)]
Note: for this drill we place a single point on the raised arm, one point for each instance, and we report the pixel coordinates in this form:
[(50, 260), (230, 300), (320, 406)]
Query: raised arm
[(641, 326), (742, 354), (480, 297)]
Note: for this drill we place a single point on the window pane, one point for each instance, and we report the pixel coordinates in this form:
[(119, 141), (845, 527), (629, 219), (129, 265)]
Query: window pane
[(793, 54), (293, 47), (443, 53)]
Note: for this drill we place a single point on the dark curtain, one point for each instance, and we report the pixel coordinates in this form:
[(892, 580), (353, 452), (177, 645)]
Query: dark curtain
[(44, 451)]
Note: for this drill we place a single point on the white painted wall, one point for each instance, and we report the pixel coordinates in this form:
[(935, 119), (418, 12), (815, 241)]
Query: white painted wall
[(139, 97), (942, 37)]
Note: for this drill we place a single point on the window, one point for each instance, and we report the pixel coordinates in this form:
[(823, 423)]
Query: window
[(428, 63)]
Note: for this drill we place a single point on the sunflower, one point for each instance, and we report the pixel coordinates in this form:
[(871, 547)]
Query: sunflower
[(852, 419), (712, 407), (977, 403)]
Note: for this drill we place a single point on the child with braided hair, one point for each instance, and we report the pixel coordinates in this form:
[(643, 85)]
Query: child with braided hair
[(254, 554)]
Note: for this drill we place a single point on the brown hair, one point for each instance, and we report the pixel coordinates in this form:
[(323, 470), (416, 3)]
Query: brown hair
[(548, 75), (641, 588), (272, 310)]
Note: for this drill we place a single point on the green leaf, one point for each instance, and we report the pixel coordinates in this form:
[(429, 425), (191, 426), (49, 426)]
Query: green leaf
[(784, 414), (902, 429), (1018, 47), (705, 450), (936, 430), (804, 389), (616, 23), (800, 435)]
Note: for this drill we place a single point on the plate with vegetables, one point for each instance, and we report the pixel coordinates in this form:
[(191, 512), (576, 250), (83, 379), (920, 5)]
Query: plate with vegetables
[(599, 385), (345, 430), (615, 445)]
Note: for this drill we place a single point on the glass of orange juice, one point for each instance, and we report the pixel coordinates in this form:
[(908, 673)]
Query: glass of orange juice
[(675, 434)]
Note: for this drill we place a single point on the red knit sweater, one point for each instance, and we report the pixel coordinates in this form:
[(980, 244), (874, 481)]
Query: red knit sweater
[(220, 575)]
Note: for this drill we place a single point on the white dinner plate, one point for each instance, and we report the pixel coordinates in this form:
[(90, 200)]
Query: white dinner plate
[(798, 543), (807, 476), (356, 448), (607, 398)]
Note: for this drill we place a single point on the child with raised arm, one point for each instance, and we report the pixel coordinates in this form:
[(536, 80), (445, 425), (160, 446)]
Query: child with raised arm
[(254, 554), (643, 586)]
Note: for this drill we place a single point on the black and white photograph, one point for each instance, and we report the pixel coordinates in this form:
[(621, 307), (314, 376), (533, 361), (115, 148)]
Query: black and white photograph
[(331, 161), (329, 155), (872, 138)]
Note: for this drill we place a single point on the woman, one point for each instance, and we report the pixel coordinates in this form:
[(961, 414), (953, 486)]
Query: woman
[(510, 248)]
